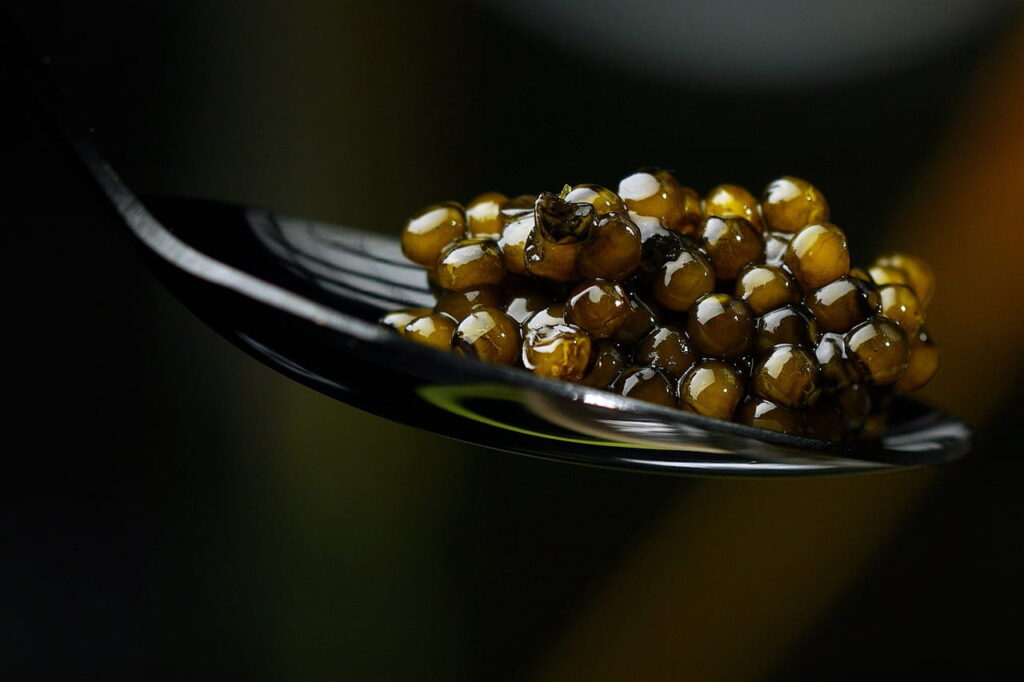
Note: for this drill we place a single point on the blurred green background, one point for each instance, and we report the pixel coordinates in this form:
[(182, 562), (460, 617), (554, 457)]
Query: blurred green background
[(178, 511)]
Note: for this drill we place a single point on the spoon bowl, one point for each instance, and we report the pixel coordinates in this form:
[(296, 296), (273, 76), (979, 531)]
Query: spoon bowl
[(303, 296)]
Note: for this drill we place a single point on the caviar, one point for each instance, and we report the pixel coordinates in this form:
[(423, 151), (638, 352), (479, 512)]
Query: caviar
[(728, 307)]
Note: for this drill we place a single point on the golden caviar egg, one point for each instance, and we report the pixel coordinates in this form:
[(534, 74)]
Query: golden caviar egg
[(470, 264), (764, 414), (599, 307), (434, 330), (775, 245), (513, 244), (887, 274), (523, 303), (490, 335), (727, 201), (483, 216), (606, 364), (656, 193), (836, 370), (558, 352), (899, 303), (556, 239), (731, 244), (640, 321), (612, 250), (766, 287), (841, 304), (712, 388), (920, 274), (923, 365), (649, 384), (458, 304), (668, 350), (817, 255), (684, 279), (788, 324), (880, 348), (790, 203), (788, 375), (397, 319), (552, 316), (721, 326), (555, 261), (429, 231), (601, 198)]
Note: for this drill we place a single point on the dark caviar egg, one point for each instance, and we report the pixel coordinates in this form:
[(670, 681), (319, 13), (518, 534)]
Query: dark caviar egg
[(434, 330), (788, 376), (559, 352), (880, 348), (841, 304), (721, 326), (606, 364), (470, 264), (788, 324), (666, 349), (766, 287), (681, 281), (765, 414), (656, 193), (612, 250), (712, 388), (817, 255), (731, 245), (600, 307), (647, 383), (490, 335), (458, 304)]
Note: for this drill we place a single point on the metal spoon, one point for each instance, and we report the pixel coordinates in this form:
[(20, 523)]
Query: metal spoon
[(303, 296)]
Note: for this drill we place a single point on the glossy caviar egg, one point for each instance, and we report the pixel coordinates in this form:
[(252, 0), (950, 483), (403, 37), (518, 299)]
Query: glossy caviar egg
[(656, 193), (458, 304), (788, 324), (880, 348), (731, 245), (668, 350), (764, 414), (470, 264), (775, 245), (721, 326), (552, 316), (817, 255), (712, 388), (397, 319), (841, 304), (788, 376), (553, 245), (887, 274), (601, 198), (600, 307), (434, 330), (682, 280), (483, 216), (920, 274), (606, 364), (728, 200), (555, 261), (523, 303), (649, 384), (429, 231), (657, 247), (766, 287), (490, 335), (923, 365), (612, 251), (836, 370), (558, 352), (640, 321), (899, 303), (513, 244), (789, 203)]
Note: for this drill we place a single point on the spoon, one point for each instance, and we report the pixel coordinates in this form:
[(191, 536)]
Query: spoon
[(303, 296)]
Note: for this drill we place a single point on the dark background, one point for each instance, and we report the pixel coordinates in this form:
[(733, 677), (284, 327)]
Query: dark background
[(173, 510)]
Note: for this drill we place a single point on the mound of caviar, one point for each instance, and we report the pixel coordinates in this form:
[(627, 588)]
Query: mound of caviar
[(730, 307)]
